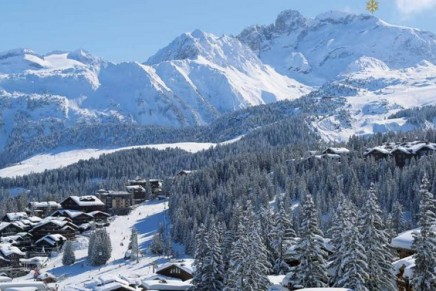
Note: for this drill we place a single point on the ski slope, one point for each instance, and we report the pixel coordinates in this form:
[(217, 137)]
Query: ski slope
[(146, 219), (56, 160)]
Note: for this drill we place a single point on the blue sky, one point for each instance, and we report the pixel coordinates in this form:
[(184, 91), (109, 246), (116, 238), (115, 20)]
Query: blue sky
[(120, 30)]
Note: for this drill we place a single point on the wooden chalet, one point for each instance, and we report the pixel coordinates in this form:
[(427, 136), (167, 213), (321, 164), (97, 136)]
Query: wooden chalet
[(12, 254), (100, 216), (77, 217), (336, 151), (154, 184), (50, 242), (181, 269), (15, 216), (83, 203), (10, 228), (42, 209), (53, 225), (403, 243)]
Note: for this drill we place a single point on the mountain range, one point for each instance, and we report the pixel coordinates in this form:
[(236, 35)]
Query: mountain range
[(365, 68)]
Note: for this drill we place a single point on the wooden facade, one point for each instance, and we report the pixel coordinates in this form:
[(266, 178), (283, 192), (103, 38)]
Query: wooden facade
[(175, 271), (84, 204)]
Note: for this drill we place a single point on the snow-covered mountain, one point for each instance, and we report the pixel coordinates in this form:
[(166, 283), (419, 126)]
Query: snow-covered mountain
[(318, 50), (199, 76)]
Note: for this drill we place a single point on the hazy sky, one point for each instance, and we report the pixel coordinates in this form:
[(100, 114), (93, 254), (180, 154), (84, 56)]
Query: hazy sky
[(120, 30)]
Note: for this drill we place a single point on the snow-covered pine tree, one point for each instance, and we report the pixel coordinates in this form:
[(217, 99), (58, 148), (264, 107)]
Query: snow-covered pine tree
[(100, 251), (374, 239), (340, 220), (68, 257), (353, 273), (249, 265), (424, 278), (398, 221), (312, 269), (266, 222), (201, 252), (282, 235), (213, 268), (134, 247)]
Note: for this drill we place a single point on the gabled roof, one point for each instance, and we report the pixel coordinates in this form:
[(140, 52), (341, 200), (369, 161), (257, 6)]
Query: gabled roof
[(7, 250), (338, 151), (14, 216), (70, 213), (404, 240), (186, 265), (90, 200), (45, 204), (52, 239), (4, 225), (59, 221), (166, 285), (93, 213)]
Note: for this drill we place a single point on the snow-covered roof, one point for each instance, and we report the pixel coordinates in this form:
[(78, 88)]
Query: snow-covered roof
[(132, 187), (120, 193), (35, 260), (51, 239), (45, 204), (411, 148), (166, 285), (4, 279), (23, 286), (404, 240), (70, 213), (338, 151), (90, 200), (7, 250), (276, 281), (186, 265), (93, 213), (14, 216), (325, 289), (3, 225), (46, 275), (60, 221)]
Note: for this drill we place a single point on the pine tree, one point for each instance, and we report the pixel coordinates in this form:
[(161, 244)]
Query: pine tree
[(100, 250), (312, 269), (134, 247), (340, 221), (213, 267), (282, 235), (374, 239), (398, 221), (201, 252), (354, 263), (424, 278), (68, 257), (249, 264)]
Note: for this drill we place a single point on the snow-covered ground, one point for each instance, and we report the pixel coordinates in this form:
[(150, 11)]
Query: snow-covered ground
[(55, 160), (146, 219)]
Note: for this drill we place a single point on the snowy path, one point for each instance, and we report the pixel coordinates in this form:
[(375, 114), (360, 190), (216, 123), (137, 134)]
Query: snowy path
[(146, 219)]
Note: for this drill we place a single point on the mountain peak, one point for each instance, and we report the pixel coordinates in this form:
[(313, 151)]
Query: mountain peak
[(289, 20), (83, 56)]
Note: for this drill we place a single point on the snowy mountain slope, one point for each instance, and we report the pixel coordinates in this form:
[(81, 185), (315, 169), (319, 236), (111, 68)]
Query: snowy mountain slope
[(370, 95), (314, 51), (60, 159)]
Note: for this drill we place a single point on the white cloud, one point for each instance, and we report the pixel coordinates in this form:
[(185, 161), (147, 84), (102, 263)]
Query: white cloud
[(414, 6)]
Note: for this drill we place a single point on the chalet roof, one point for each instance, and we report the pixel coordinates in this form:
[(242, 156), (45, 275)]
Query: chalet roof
[(52, 239), (4, 279), (404, 240), (406, 147), (35, 260), (3, 225), (90, 200), (70, 213), (45, 204), (114, 286), (186, 265), (14, 216), (93, 213), (59, 221), (166, 285), (338, 151), (8, 250)]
